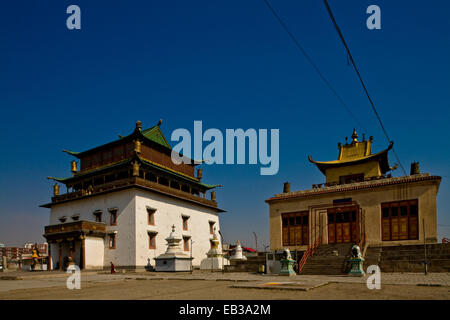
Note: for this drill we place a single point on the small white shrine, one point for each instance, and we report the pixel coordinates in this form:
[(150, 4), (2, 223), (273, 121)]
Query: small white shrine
[(238, 252), (215, 259), (173, 259)]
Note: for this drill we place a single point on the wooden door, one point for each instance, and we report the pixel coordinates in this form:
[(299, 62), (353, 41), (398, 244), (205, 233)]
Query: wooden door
[(394, 224), (403, 222), (386, 224), (332, 233), (298, 235), (339, 236), (331, 227), (346, 232)]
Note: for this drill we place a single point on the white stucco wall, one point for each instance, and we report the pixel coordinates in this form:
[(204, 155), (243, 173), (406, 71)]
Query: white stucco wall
[(169, 211), (132, 241), (94, 253), (124, 201)]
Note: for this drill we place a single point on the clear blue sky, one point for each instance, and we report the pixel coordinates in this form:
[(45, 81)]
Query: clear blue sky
[(229, 64)]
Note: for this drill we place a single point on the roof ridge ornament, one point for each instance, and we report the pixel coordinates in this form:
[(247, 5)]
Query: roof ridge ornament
[(138, 125), (354, 136)]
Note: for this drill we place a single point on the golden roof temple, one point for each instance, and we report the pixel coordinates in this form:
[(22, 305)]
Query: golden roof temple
[(360, 203), (355, 162)]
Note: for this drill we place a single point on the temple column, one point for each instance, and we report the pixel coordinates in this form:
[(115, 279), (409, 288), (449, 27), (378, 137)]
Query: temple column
[(49, 258), (82, 253), (60, 256)]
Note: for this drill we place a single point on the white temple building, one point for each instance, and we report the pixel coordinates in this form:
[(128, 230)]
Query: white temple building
[(121, 205)]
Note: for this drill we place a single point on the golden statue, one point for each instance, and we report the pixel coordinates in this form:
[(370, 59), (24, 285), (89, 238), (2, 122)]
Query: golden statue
[(55, 189)]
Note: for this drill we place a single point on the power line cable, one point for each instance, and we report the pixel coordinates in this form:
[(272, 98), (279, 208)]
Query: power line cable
[(361, 80), (316, 68)]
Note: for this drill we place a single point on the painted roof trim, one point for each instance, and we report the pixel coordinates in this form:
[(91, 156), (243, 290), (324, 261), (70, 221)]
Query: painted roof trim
[(380, 156)]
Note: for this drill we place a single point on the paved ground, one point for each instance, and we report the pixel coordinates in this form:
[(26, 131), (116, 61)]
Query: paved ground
[(217, 286)]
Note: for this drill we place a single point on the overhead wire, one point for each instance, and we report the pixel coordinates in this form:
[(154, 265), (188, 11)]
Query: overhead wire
[(341, 36), (316, 68)]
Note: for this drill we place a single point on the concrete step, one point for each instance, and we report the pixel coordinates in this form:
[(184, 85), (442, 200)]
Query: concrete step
[(437, 265)]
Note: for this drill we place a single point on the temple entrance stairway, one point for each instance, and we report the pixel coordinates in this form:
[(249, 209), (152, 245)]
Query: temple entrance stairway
[(329, 259), (409, 258)]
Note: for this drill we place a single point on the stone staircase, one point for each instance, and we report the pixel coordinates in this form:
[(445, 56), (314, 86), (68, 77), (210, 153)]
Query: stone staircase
[(372, 257), (250, 265), (409, 258), (329, 259)]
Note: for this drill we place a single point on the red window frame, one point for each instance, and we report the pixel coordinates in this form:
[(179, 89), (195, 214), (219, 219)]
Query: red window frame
[(185, 223), (186, 243), (98, 216), (112, 238), (113, 217), (152, 240), (151, 216)]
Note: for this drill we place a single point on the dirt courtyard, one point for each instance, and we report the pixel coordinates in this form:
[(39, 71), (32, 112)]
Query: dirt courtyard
[(103, 287)]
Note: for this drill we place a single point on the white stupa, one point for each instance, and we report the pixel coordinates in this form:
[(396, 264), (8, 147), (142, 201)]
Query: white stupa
[(215, 259), (238, 252), (173, 259)]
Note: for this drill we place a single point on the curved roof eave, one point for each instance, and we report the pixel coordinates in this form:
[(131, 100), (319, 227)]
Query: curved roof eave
[(382, 155)]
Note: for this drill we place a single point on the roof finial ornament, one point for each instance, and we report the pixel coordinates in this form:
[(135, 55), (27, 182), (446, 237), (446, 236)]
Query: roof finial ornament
[(346, 142), (159, 122), (364, 137), (139, 125), (354, 136)]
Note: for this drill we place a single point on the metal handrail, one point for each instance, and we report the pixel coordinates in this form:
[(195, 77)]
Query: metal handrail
[(308, 253)]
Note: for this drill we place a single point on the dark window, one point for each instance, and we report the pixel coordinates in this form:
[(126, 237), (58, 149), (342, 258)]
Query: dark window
[(295, 228), (305, 220), (112, 241), (346, 216), (186, 243), (113, 218), (394, 212), (413, 211), (175, 185), (122, 175), (330, 218), (211, 227), (353, 216), (163, 181), (405, 227), (98, 181), (98, 216), (403, 211), (185, 223), (151, 216), (291, 221), (110, 178), (152, 240)]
